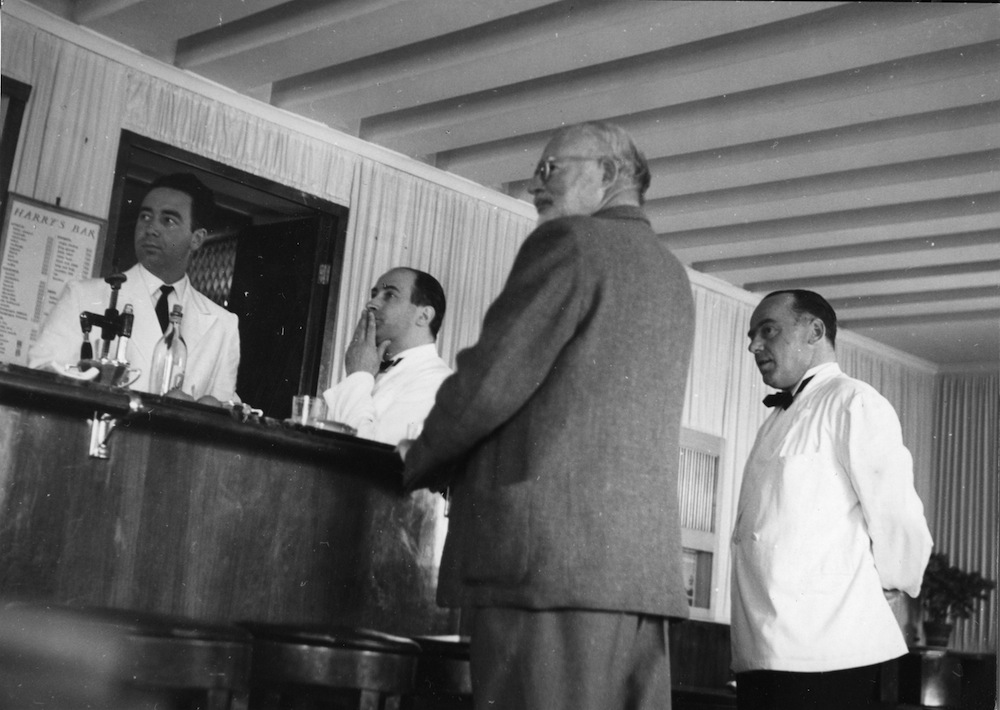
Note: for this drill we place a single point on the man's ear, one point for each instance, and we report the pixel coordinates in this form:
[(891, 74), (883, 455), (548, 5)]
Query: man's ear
[(817, 330), (610, 168), (425, 315), (198, 238)]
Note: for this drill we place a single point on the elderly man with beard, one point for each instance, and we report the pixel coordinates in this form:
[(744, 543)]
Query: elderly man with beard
[(558, 437)]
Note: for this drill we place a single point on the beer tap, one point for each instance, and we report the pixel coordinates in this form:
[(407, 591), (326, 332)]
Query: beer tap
[(86, 349), (112, 323), (114, 372)]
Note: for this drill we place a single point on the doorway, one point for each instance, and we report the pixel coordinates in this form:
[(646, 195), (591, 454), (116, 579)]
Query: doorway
[(273, 257)]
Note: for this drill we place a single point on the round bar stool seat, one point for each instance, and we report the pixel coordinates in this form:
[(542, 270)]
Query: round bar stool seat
[(444, 680), (184, 662), (331, 667)]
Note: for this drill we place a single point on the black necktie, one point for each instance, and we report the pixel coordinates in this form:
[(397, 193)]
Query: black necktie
[(784, 399), (162, 311), (386, 364)]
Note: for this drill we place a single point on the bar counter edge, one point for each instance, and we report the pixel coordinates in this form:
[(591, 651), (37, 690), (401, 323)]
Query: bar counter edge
[(198, 513)]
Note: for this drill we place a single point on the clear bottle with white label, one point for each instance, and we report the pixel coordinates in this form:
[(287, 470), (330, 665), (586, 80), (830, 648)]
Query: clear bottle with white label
[(169, 356)]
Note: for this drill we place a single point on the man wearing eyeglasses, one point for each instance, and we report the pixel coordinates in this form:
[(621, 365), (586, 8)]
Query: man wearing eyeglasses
[(558, 437)]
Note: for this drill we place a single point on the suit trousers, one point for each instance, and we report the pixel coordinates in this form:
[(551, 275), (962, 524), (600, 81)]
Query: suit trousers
[(569, 660)]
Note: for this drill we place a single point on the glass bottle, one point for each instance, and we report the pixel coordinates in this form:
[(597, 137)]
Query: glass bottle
[(127, 316), (169, 356)]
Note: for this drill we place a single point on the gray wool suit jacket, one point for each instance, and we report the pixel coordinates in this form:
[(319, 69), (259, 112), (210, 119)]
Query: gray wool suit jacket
[(558, 432)]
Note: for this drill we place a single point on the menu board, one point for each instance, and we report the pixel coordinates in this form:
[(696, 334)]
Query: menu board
[(43, 247)]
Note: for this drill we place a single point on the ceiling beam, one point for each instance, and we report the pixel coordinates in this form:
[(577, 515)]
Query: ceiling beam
[(914, 297), (286, 22), (934, 179), (974, 267), (828, 109), (981, 238), (850, 235), (308, 37), (986, 315), (155, 26), (683, 76), (517, 48), (795, 157), (87, 11), (912, 212)]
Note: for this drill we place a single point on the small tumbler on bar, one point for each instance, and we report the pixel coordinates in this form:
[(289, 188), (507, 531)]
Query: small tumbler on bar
[(308, 410)]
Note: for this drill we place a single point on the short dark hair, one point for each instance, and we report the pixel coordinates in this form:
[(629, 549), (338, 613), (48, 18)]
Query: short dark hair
[(202, 199), (427, 291), (811, 303)]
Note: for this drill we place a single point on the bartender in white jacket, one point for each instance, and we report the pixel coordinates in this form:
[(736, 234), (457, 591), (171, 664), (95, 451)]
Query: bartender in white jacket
[(828, 518), (392, 364)]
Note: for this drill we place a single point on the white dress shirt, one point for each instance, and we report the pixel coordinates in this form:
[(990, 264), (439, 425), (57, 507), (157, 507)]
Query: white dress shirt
[(383, 407), (828, 517), (152, 285), (210, 331)]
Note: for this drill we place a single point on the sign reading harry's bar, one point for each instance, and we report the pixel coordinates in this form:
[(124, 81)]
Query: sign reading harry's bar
[(43, 247)]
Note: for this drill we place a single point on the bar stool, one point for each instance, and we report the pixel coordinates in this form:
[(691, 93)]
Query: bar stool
[(444, 680), (311, 666), (127, 658)]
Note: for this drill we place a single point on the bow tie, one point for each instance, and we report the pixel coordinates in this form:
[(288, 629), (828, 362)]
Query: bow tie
[(386, 364), (784, 398)]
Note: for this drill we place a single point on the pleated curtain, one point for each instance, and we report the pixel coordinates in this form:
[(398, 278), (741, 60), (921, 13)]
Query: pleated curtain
[(201, 125), (966, 473), (400, 220), (74, 111)]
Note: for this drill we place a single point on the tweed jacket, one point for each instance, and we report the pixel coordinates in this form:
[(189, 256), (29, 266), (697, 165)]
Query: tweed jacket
[(210, 332), (558, 432)]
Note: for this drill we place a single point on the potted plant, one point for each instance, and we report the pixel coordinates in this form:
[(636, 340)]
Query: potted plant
[(949, 593)]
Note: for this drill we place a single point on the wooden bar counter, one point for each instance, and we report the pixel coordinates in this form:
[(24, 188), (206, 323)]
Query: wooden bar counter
[(197, 513)]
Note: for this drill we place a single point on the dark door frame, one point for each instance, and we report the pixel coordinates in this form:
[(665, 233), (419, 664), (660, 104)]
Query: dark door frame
[(17, 94), (329, 258)]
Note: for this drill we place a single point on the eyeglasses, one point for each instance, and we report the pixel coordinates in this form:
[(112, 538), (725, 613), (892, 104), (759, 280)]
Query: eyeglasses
[(545, 166)]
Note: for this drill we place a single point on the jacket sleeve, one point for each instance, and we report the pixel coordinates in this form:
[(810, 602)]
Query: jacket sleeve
[(881, 471), (523, 333), (225, 386)]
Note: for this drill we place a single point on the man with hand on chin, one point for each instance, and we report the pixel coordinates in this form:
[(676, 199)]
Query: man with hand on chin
[(392, 364), (828, 518)]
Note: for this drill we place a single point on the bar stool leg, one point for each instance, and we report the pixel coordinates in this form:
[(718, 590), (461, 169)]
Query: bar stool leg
[(223, 699), (375, 700), (267, 700)]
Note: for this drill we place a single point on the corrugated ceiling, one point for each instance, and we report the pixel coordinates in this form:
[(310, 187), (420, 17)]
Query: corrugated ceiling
[(851, 148)]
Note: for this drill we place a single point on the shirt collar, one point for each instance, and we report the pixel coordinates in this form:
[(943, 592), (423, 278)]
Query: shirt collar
[(820, 372), (152, 284), (417, 350)]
